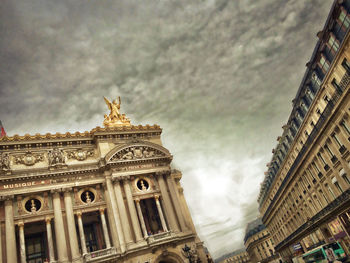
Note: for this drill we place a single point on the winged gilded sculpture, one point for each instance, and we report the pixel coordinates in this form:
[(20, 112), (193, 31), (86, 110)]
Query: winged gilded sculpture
[(115, 118)]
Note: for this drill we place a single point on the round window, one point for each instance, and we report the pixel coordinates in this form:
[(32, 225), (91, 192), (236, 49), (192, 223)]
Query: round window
[(142, 185), (32, 205), (87, 196)]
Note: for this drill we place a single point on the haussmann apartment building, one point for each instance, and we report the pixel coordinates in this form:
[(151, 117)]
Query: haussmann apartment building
[(304, 199)]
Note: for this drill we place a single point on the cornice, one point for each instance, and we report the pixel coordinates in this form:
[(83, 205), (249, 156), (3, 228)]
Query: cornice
[(97, 132)]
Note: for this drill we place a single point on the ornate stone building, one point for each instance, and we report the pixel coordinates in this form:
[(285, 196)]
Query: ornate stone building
[(304, 199), (259, 244), (238, 256), (108, 195)]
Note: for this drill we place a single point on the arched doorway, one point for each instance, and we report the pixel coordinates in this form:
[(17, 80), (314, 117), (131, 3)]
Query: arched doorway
[(169, 257)]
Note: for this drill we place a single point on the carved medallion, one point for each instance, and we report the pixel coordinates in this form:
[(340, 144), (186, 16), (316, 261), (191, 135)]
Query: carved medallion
[(33, 205), (80, 154), (29, 158)]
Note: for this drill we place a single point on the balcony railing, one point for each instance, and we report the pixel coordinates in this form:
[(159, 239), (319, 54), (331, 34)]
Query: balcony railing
[(310, 140), (339, 201), (100, 254)]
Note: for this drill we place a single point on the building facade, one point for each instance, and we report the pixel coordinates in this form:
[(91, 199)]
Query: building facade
[(108, 195), (259, 244), (238, 256), (304, 199)]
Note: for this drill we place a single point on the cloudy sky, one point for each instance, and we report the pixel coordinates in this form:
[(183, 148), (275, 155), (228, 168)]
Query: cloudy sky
[(217, 75)]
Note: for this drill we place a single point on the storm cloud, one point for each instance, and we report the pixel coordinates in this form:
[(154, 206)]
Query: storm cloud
[(217, 76)]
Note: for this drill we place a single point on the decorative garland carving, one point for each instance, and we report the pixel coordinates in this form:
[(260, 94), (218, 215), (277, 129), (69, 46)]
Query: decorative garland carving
[(29, 158), (80, 154), (136, 153)]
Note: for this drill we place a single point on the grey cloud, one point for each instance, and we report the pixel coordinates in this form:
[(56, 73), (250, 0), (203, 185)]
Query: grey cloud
[(218, 76)]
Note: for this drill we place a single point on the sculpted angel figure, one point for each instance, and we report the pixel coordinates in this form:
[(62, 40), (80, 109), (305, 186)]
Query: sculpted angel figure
[(114, 107)]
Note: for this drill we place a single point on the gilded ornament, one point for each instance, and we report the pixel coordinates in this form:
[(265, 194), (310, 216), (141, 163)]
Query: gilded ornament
[(115, 118)]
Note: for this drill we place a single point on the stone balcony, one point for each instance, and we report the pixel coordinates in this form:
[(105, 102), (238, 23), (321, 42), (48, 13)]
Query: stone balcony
[(100, 255)]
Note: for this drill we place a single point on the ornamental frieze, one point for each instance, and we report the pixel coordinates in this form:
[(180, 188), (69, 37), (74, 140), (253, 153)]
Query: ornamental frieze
[(80, 154), (136, 153), (28, 158), (4, 161), (56, 157)]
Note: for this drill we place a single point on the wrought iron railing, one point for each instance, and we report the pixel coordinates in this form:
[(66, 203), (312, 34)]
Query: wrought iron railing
[(340, 200), (344, 83)]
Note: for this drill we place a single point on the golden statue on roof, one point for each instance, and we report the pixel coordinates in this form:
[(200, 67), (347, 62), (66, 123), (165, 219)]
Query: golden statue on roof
[(115, 118)]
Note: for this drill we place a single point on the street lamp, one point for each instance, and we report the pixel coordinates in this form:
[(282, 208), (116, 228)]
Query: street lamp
[(190, 254)]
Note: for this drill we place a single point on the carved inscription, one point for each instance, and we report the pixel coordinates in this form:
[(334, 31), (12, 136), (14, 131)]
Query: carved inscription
[(24, 184)]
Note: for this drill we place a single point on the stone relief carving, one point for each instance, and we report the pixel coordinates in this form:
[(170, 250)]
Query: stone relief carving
[(80, 154), (5, 161), (137, 152), (29, 158), (56, 157)]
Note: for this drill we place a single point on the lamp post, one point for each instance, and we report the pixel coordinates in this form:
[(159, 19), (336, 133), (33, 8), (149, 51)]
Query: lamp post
[(190, 254)]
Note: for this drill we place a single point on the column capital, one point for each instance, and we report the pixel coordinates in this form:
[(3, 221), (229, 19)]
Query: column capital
[(116, 179), (137, 200), (8, 197), (20, 224), (79, 213), (67, 190), (48, 219), (126, 178), (56, 191), (107, 173), (156, 197), (160, 173), (102, 210)]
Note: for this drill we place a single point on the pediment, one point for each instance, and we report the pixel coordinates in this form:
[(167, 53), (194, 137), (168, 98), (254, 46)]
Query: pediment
[(137, 151)]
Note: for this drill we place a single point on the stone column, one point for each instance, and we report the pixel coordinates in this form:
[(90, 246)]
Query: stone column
[(115, 214), (111, 220), (122, 213), (160, 212), (0, 245), (49, 239), (139, 211), (169, 211), (72, 232), (132, 209), (81, 234), (22, 244), (104, 228), (59, 229), (174, 196), (11, 251)]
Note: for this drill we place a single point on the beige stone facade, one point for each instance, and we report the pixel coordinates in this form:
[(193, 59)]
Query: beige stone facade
[(304, 199), (259, 244), (108, 195), (240, 256)]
